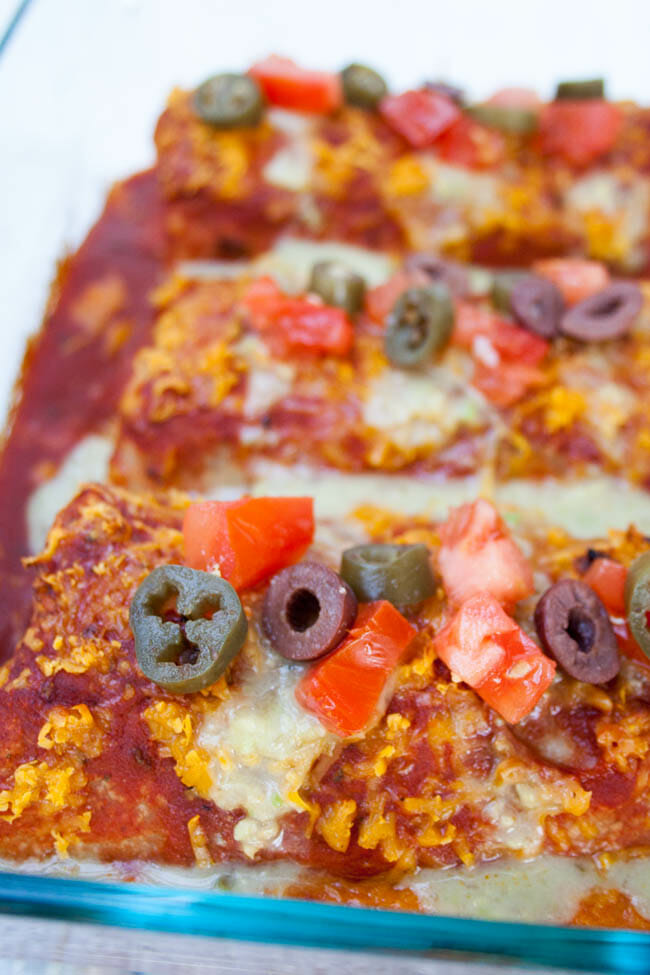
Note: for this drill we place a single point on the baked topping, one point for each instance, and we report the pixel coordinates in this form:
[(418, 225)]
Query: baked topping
[(574, 628), (188, 626), (308, 610)]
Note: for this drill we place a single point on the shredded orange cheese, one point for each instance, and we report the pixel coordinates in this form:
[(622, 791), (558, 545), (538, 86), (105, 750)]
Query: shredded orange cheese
[(335, 824), (170, 724), (40, 782), (626, 741), (71, 726), (199, 842), (379, 830)]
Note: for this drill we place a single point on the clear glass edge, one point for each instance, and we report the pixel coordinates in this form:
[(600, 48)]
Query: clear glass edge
[(306, 923)]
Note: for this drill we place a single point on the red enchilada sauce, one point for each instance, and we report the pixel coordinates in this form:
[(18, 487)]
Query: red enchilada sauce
[(74, 370)]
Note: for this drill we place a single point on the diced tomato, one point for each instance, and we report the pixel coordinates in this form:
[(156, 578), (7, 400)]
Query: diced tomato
[(506, 361), (297, 324), (626, 642), (344, 689), (484, 647), (579, 131), (286, 84), (575, 277), (419, 116), (508, 340), (477, 554), (507, 383), (515, 344), (515, 98), (379, 301), (247, 540), (607, 578), (472, 320), (467, 143)]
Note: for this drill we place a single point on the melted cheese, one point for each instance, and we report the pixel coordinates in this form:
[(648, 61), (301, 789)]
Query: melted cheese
[(586, 507), (548, 889), (477, 192), (420, 410), (291, 260), (612, 211), (291, 168), (87, 461), (269, 379), (263, 745), (212, 270)]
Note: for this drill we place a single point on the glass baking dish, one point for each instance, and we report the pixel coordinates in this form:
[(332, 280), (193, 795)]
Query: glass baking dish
[(80, 88)]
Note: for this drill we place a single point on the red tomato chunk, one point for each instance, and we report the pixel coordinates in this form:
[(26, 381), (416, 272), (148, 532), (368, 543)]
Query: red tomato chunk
[(419, 116), (607, 578), (506, 355), (484, 647), (477, 555), (579, 132), (467, 143), (576, 278), (344, 690), (248, 540), (297, 324), (286, 84)]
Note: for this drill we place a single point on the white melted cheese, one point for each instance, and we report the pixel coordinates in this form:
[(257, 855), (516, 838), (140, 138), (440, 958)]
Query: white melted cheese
[(290, 262), (268, 379), (204, 270), (477, 192), (262, 745), (291, 168), (291, 259), (416, 410), (87, 461), (623, 200), (547, 889), (586, 507)]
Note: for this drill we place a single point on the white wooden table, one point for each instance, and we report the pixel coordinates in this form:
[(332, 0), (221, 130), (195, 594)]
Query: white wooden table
[(81, 83), (47, 948)]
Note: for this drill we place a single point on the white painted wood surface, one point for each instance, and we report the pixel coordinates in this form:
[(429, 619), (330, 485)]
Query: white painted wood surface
[(81, 83), (45, 948)]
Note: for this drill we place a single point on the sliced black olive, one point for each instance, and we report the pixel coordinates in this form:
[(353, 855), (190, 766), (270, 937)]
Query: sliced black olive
[(505, 118), (338, 286), (609, 314), (579, 90), (419, 325), (401, 574), (362, 86), (537, 305), (229, 101), (637, 601), (308, 609), (574, 628), (186, 647), (441, 270), (452, 92)]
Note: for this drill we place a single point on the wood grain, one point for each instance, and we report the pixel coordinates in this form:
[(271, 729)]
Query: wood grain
[(29, 947)]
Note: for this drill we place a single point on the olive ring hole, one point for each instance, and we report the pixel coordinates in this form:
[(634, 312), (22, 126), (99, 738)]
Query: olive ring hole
[(609, 307), (303, 610), (581, 629)]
